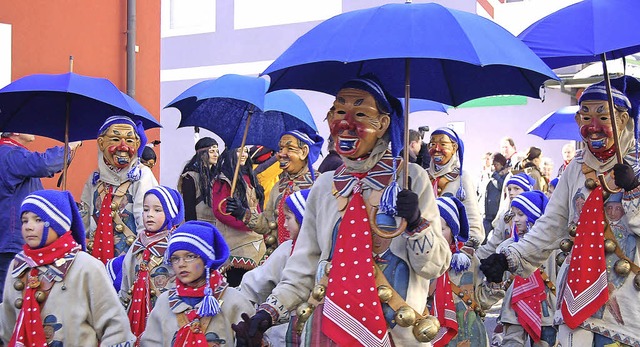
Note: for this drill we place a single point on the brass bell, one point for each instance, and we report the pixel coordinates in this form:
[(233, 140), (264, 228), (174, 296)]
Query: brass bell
[(508, 217), (327, 268), (114, 214), (482, 314), (385, 293), (114, 206), (565, 245), (130, 240), (609, 246), (270, 240), (18, 285), (40, 296), (572, 229), (269, 251), (469, 302), (273, 225), (461, 294), (304, 311), (90, 246), (319, 292), (18, 303), (119, 228), (590, 183), (622, 267), (152, 292), (129, 292), (405, 316), (426, 329), (636, 282)]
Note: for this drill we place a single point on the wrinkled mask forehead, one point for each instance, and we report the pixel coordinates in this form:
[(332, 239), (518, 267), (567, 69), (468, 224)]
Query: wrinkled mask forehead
[(356, 101)]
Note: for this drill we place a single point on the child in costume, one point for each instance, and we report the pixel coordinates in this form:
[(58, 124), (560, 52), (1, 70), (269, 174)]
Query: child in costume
[(201, 303), (529, 304), (114, 270), (163, 211), (257, 284), (54, 280), (453, 292)]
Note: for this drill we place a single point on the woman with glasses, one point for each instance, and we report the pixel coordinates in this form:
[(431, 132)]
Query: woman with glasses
[(196, 179)]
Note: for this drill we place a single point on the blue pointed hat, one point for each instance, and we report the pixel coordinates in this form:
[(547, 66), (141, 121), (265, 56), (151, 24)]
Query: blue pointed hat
[(523, 181), (532, 204), (460, 194), (172, 205), (297, 203), (137, 126), (313, 140)]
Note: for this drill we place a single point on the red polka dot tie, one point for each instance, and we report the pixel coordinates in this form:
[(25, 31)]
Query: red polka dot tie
[(140, 301), (103, 237), (352, 313), (445, 310)]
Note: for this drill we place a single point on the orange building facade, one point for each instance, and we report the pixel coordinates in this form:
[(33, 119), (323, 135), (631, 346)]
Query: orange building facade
[(44, 34)]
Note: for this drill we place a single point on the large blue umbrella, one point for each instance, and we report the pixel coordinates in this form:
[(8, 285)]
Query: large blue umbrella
[(557, 125)]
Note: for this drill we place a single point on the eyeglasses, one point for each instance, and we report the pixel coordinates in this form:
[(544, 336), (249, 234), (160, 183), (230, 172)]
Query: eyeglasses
[(189, 258)]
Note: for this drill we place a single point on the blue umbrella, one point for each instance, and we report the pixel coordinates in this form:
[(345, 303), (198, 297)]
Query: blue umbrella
[(417, 105), (38, 104), (558, 125)]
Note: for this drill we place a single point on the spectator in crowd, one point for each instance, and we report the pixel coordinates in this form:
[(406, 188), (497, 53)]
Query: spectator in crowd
[(148, 157), (195, 181), (568, 152), (493, 190), (332, 161), (508, 149)]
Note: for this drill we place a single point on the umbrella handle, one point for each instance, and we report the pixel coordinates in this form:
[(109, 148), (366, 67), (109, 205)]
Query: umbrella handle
[(224, 213), (384, 234), (614, 126), (604, 182)]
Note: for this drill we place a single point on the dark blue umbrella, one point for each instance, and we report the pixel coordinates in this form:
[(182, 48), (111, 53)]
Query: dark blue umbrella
[(558, 125), (39, 104), (417, 105), (582, 32)]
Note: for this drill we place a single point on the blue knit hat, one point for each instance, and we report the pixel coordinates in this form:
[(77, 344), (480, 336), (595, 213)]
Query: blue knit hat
[(58, 210), (313, 140), (137, 126), (114, 270), (523, 181), (532, 204), (172, 205), (460, 194), (203, 239), (554, 182), (455, 215), (297, 203)]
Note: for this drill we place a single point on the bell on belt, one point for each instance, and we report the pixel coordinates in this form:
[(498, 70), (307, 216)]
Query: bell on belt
[(152, 292), (269, 251), (18, 303), (304, 311), (609, 246), (622, 267), (384, 293), (90, 246), (114, 214), (590, 183), (508, 216), (18, 285), (572, 229), (119, 228), (565, 245), (40, 296), (273, 225), (114, 206), (270, 240), (327, 268), (130, 240), (319, 292), (636, 282), (405, 316), (426, 329)]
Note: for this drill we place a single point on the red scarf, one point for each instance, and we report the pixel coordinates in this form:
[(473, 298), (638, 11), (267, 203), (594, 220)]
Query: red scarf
[(140, 300), (445, 310), (604, 156), (283, 233), (526, 301), (29, 330), (103, 237), (189, 335), (586, 289), (352, 313), (8, 141)]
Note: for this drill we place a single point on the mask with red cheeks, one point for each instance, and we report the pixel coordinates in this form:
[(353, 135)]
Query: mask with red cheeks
[(594, 121), (119, 145), (355, 123), (442, 148)]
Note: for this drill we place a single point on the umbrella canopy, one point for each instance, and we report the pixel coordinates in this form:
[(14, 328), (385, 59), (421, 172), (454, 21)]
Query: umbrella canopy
[(417, 105), (223, 106), (605, 27), (454, 56), (38, 104), (558, 125)]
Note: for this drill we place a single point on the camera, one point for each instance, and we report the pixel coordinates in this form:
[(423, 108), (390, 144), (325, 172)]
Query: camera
[(422, 130)]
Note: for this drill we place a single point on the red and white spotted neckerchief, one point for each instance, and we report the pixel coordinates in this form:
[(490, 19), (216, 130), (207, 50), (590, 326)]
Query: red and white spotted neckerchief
[(526, 301), (29, 330), (445, 310), (103, 237), (283, 233), (352, 313), (586, 290), (140, 300)]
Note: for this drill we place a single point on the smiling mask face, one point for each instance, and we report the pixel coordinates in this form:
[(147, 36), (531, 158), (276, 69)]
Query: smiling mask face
[(594, 122), (119, 145)]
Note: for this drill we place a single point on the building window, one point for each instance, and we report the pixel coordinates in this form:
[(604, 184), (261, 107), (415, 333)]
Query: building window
[(188, 17)]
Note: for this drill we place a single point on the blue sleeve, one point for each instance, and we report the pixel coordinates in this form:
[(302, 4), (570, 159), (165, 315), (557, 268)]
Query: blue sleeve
[(23, 163)]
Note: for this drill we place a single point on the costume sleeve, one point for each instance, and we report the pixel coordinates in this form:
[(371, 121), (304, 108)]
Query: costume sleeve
[(107, 316), (236, 305), (146, 182), (153, 334), (87, 207), (128, 270), (631, 204), (427, 250), (495, 238), (188, 190), (220, 191), (23, 163), (525, 256), (258, 283), (259, 222), (476, 229), (7, 309)]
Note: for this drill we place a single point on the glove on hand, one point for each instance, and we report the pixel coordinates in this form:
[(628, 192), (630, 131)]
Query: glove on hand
[(250, 331), (625, 178), (494, 267), (234, 206), (407, 207)]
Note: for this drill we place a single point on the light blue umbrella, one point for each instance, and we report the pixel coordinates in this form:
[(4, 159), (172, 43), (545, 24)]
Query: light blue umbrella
[(558, 125)]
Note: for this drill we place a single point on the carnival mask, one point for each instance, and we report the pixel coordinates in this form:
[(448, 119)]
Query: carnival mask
[(441, 149), (119, 145), (355, 123), (594, 122), (292, 154)]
